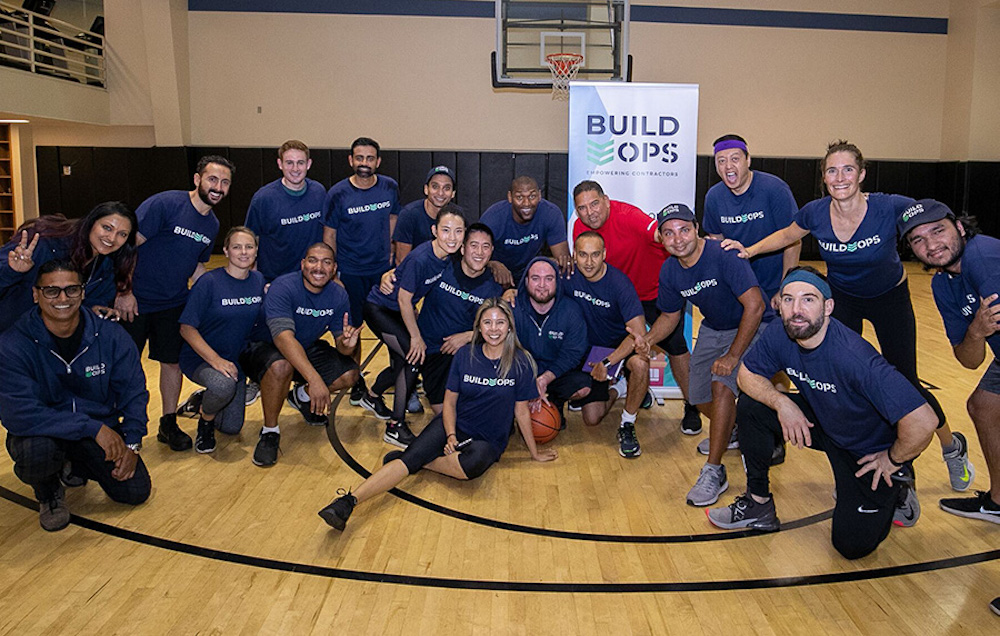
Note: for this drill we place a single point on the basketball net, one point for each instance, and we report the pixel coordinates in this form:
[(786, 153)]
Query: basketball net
[(564, 67)]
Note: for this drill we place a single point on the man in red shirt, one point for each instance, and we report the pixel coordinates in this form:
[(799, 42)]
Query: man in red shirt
[(631, 245)]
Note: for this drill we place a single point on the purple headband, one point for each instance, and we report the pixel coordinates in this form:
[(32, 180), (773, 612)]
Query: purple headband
[(730, 143)]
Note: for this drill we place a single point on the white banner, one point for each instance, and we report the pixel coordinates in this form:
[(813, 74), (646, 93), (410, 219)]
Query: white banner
[(639, 141)]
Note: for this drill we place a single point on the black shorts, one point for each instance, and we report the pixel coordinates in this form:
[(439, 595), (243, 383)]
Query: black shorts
[(565, 386), (674, 344), (258, 357), (163, 331), (357, 287), (475, 457), (435, 374)]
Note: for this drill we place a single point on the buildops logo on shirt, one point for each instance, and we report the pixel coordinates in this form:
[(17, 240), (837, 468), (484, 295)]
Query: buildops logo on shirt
[(194, 236), (302, 218), (826, 387), (850, 247), (371, 207), (236, 302), (93, 370), (313, 313), (464, 295), (691, 291), (475, 379), (521, 241), (743, 218)]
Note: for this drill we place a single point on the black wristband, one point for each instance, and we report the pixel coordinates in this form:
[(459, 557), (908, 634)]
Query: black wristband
[(451, 435), (888, 454)]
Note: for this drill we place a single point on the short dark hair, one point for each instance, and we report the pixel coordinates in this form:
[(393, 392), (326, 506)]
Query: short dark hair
[(524, 180), (588, 186), (216, 159), (478, 227), (58, 265), (366, 141), (732, 137), (450, 209), (322, 245), (589, 234)]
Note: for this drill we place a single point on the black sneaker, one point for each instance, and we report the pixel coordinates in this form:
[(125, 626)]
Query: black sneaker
[(647, 402), (266, 453), (70, 480), (358, 392), (778, 454), (171, 435), (628, 443), (339, 511), (413, 405), (691, 422), (745, 512), (398, 434), (192, 405), (204, 442), (376, 405), (53, 515), (979, 506), (312, 419), (390, 456)]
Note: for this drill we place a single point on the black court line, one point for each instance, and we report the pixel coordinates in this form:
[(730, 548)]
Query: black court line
[(354, 465), (510, 586)]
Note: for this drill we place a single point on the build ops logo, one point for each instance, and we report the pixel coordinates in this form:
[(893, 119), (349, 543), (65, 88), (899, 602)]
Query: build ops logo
[(603, 148)]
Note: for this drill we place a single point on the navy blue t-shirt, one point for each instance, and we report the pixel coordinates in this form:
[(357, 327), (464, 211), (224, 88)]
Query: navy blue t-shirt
[(313, 314), (868, 264), (286, 225), (766, 207), (958, 297), (856, 395), (361, 218), (607, 305), (413, 226), (451, 304), (223, 309), (486, 401), (515, 244), (416, 274), (714, 284), (177, 239)]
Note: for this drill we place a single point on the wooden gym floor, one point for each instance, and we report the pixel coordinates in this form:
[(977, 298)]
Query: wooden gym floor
[(590, 544)]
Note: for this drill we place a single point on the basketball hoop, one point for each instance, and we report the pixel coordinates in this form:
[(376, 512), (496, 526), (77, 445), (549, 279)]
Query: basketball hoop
[(564, 67)]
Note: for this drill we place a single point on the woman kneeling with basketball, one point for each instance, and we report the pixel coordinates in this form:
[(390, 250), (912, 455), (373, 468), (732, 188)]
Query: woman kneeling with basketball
[(490, 383)]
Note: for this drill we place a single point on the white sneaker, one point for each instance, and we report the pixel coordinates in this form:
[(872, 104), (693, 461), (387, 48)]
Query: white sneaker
[(621, 386)]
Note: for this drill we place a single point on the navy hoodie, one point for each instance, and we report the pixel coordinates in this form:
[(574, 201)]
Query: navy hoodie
[(559, 342), (43, 395), (15, 288)]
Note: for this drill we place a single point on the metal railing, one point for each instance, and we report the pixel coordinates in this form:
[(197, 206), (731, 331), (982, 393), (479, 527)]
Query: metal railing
[(40, 44)]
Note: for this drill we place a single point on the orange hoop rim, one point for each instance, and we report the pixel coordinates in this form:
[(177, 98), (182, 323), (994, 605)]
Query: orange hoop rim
[(564, 62)]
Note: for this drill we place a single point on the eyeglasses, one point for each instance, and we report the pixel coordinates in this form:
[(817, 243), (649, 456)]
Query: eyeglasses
[(51, 291)]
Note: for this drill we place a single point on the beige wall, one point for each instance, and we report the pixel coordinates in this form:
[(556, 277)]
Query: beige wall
[(243, 79)]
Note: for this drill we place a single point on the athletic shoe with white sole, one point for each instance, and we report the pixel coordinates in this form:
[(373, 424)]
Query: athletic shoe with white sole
[(907, 507), (734, 444), (413, 405), (312, 419), (745, 512), (711, 483), (398, 434), (376, 405), (961, 472), (251, 394), (691, 422), (628, 443), (979, 506)]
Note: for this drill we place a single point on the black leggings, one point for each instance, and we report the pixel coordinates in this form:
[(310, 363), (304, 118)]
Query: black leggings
[(388, 325), (891, 314), (862, 517), (474, 458)]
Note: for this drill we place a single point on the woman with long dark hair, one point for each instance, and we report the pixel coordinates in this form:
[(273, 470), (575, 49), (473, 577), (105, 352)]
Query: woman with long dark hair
[(490, 383), (101, 245), (856, 233)]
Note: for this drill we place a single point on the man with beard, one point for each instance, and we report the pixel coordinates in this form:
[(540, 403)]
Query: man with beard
[(733, 312), (521, 226), (176, 231), (286, 213), (966, 288), (418, 217), (547, 323), (449, 309), (299, 308), (359, 217), (852, 405)]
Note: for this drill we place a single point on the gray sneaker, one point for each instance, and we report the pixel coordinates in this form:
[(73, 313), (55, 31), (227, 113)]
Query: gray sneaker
[(745, 512), (734, 444), (907, 507), (961, 472), (252, 393), (711, 483), (53, 514)]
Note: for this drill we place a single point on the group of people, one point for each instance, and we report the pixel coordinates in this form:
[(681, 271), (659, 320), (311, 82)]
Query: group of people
[(497, 317)]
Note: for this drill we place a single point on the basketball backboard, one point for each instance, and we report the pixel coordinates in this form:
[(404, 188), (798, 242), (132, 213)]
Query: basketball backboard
[(529, 30)]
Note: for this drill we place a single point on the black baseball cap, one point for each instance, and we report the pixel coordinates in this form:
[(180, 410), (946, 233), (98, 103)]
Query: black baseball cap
[(675, 211), (923, 211), (441, 170)]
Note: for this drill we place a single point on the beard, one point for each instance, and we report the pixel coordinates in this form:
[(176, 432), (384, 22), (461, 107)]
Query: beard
[(803, 332), (203, 192), (364, 172), (543, 298)]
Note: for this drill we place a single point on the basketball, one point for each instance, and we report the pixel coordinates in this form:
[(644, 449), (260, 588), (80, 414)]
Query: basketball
[(545, 424)]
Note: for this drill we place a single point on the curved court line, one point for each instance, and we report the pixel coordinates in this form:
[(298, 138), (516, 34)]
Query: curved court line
[(353, 464), (510, 586)]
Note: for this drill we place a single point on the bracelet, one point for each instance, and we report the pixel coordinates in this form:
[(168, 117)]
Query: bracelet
[(451, 435), (888, 454)]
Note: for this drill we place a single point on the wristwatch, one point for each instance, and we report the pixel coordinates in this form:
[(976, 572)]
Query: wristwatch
[(135, 448), (606, 362)]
